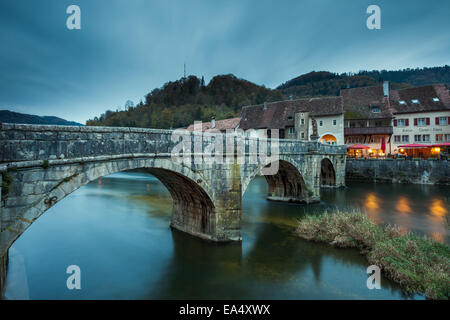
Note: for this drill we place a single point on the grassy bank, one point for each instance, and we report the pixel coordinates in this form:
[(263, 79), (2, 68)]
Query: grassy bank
[(418, 264)]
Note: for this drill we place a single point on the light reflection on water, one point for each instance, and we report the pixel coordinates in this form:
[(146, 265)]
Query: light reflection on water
[(117, 231)]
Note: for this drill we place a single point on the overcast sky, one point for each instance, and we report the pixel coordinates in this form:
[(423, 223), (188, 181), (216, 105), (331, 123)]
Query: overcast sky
[(126, 48)]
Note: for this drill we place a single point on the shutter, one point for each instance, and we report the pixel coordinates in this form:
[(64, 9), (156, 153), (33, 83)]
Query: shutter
[(437, 121), (406, 122), (448, 120), (415, 121), (395, 123), (428, 121)]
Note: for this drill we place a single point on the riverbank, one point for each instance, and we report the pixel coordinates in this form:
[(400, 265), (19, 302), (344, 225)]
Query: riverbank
[(419, 265), (398, 171)]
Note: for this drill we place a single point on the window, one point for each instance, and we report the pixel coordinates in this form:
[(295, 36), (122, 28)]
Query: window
[(291, 130), (426, 138), (417, 138), (302, 122), (401, 122), (415, 101), (421, 121), (436, 99), (397, 138), (303, 135), (402, 102), (443, 121), (321, 123), (334, 122), (447, 137), (405, 138), (375, 109), (290, 118), (439, 137)]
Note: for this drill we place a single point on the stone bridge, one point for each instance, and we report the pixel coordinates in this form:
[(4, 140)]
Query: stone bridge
[(40, 165)]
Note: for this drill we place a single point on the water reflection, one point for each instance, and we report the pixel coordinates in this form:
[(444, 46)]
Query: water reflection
[(437, 208), (403, 205)]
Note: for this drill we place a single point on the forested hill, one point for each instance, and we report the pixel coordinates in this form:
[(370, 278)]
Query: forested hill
[(326, 83), (178, 103), (7, 116)]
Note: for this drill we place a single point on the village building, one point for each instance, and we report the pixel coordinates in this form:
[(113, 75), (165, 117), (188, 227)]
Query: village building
[(231, 124), (421, 116), (294, 119), (368, 119)]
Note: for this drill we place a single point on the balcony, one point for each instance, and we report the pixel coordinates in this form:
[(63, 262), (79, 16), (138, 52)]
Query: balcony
[(367, 131)]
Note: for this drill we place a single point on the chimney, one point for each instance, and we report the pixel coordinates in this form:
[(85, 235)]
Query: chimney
[(213, 122), (386, 88), (265, 105)]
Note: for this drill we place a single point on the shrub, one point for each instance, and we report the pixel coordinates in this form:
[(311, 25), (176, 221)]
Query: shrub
[(419, 264)]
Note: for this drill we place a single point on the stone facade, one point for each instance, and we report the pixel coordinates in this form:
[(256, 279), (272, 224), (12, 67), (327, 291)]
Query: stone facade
[(399, 171), (40, 165)]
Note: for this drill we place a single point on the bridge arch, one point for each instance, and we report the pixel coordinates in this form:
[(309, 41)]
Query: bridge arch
[(328, 138), (287, 185), (193, 203), (327, 173)]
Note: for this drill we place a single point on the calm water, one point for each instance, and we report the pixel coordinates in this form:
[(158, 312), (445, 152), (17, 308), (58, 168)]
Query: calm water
[(117, 230)]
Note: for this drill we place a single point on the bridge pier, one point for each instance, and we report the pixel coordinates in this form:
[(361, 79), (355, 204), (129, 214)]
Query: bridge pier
[(3, 269), (216, 218)]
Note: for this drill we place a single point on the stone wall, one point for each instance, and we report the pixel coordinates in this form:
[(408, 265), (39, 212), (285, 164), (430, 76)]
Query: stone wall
[(22, 142), (399, 171)]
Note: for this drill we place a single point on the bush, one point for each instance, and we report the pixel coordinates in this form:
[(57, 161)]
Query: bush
[(419, 264)]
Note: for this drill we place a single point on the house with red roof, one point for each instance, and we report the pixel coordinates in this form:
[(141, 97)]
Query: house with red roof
[(421, 115)]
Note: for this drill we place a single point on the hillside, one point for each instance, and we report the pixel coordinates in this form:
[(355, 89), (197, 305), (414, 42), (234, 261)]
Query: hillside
[(178, 103), (323, 83), (16, 117)]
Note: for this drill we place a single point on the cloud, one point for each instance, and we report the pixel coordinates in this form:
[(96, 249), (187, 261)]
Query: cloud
[(127, 48)]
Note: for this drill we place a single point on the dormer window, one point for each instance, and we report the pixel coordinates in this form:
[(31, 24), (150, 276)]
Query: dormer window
[(402, 102), (436, 99), (415, 101), (376, 109)]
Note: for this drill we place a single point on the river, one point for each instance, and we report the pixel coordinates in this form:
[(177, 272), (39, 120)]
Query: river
[(116, 230)]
